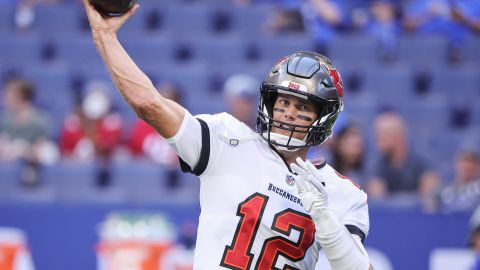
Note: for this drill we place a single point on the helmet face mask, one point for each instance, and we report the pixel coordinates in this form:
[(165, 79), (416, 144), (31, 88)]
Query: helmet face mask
[(306, 75)]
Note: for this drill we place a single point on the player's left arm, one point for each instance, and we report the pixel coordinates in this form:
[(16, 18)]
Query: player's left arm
[(342, 250)]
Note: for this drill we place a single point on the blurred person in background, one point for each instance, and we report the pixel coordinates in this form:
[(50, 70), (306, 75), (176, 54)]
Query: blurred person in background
[(144, 140), (241, 94), (348, 152), (93, 131), (427, 16), (324, 19), (463, 193), (474, 238), (285, 18), (384, 26), (25, 131), (436, 17), (467, 13), (398, 167), (25, 12)]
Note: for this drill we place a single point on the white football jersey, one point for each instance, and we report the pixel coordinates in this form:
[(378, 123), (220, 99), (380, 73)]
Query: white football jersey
[(251, 215)]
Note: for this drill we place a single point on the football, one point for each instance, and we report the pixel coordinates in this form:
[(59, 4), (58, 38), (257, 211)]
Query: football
[(113, 7)]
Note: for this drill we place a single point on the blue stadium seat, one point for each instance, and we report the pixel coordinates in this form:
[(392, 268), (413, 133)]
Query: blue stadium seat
[(258, 69), (9, 174), (139, 22), (16, 50), (360, 108), (58, 18), (221, 49), (54, 93), (427, 118), (188, 20), (352, 49), (91, 71), (273, 48), (392, 85), (144, 181), (250, 19), (470, 50), (7, 11), (207, 103), (476, 116), (2, 73), (76, 50), (448, 143), (460, 84), (149, 50), (191, 76), (196, 79), (75, 183), (423, 51), (42, 192)]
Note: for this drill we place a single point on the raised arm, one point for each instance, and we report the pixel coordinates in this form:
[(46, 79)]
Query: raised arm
[(163, 114)]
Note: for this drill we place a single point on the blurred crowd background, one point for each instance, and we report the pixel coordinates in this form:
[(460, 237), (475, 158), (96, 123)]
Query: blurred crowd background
[(409, 134)]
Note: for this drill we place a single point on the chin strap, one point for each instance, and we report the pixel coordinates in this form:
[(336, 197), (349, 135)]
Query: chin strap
[(283, 139)]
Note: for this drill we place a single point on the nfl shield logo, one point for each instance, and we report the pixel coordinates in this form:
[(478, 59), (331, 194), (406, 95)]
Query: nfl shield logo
[(290, 180)]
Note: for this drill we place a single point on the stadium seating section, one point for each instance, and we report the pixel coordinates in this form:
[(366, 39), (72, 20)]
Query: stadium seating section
[(200, 43)]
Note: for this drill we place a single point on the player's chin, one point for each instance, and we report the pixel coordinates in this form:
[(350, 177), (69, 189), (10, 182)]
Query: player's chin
[(281, 131), (288, 133)]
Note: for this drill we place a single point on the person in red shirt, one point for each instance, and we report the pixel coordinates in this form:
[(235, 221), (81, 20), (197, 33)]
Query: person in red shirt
[(145, 142), (93, 131)]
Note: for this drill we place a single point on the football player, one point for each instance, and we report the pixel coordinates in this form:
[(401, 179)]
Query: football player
[(262, 205)]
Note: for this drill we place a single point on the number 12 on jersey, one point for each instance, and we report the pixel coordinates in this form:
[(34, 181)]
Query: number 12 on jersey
[(238, 255)]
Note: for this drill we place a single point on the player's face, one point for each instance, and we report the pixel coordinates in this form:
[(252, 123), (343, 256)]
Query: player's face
[(290, 109)]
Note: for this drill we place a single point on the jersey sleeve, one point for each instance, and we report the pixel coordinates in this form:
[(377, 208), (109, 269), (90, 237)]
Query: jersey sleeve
[(356, 218), (195, 142), (187, 143)]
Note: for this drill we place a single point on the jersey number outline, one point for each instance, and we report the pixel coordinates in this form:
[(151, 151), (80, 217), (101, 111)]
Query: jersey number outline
[(237, 255)]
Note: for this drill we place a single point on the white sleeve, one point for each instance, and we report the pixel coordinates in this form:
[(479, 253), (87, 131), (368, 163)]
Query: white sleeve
[(357, 218), (187, 143)]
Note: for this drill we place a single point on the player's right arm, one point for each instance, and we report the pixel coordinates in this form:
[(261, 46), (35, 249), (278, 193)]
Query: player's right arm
[(137, 89)]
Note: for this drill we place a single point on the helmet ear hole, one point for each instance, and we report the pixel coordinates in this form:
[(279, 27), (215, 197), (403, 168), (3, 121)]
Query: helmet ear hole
[(270, 99)]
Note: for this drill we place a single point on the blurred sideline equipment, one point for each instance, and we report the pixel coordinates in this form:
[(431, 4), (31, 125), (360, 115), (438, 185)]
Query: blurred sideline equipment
[(134, 241), (14, 253), (451, 258), (113, 7)]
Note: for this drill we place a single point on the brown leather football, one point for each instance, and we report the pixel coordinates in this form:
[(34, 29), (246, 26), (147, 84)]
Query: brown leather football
[(113, 7)]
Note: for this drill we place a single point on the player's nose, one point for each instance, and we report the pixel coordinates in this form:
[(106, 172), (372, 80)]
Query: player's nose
[(290, 113)]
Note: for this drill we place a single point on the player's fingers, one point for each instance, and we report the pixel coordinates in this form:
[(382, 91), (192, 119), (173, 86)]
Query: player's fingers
[(310, 168), (306, 166), (299, 171), (302, 164), (88, 6), (132, 11), (317, 184), (302, 185), (90, 10), (300, 178)]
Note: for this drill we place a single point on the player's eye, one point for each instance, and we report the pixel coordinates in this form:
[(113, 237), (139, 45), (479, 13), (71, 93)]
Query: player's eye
[(284, 102), (304, 108)]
